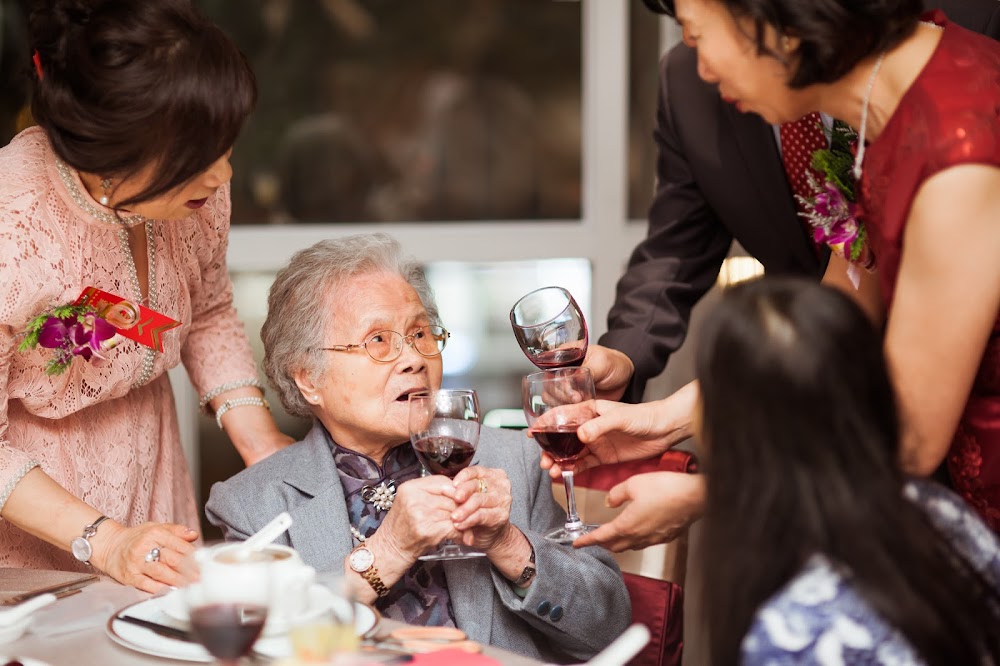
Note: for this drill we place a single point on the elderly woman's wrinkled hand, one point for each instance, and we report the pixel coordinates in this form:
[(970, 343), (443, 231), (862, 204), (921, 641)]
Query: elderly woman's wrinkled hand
[(127, 554), (483, 499), (420, 517)]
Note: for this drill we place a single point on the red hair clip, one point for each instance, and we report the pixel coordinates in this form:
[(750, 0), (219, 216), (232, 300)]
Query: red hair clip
[(38, 65)]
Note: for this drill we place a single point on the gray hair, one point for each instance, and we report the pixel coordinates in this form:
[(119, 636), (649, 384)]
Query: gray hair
[(296, 319)]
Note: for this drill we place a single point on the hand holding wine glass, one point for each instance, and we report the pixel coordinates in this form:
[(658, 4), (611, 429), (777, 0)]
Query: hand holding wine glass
[(444, 429), (550, 328), (556, 403)]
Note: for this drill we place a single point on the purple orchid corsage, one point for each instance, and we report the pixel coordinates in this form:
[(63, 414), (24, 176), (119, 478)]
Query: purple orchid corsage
[(832, 209), (70, 331)]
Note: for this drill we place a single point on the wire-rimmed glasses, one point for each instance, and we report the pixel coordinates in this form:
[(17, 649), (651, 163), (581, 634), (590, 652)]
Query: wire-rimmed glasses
[(385, 346)]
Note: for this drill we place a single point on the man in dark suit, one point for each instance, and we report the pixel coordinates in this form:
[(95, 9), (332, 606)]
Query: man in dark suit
[(719, 177)]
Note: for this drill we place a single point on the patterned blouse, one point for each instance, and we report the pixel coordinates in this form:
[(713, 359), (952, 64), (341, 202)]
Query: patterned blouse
[(421, 596), (821, 618)]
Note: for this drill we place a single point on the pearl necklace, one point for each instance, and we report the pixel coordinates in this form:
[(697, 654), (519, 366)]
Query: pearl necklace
[(859, 158)]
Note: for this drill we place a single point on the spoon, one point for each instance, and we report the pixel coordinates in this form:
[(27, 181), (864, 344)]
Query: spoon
[(622, 648), (15, 614), (268, 533)]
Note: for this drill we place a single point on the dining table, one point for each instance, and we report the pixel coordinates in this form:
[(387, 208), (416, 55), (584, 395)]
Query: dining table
[(74, 631)]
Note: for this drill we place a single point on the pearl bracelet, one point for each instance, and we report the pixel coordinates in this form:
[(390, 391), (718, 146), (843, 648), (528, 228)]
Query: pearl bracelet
[(228, 386), (239, 402)]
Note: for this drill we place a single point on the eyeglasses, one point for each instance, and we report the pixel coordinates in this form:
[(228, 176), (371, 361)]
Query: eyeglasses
[(385, 346)]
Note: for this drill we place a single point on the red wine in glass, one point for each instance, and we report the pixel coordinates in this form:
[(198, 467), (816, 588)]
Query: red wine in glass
[(560, 358), (561, 443), (550, 328), (444, 455), (444, 430), (227, 630), (556, 403)]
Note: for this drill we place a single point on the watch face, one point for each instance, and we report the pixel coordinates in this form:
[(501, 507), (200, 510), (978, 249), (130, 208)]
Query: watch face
[(81, 549), (361, 559)]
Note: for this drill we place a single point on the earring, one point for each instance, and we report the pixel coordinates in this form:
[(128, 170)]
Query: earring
[(105, 185), (786, 43)]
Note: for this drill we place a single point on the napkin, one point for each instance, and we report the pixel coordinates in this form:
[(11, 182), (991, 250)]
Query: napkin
[(90, 608), (452, 658)]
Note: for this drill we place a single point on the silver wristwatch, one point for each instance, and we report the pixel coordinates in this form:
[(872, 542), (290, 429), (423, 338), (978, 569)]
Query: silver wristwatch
[(82, 550)]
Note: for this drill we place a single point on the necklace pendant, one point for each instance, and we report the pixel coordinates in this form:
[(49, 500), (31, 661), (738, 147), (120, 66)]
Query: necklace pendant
[(380, 497)]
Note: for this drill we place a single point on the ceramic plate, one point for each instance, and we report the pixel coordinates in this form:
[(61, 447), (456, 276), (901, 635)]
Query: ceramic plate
[(143, 640)]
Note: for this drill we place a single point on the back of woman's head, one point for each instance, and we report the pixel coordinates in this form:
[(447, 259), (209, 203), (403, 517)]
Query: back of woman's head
[(794, 387), (131, 84), (801, 446), (835, 34)]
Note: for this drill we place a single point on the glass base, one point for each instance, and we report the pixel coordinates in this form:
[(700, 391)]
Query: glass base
[(570, 532), (452, 551)]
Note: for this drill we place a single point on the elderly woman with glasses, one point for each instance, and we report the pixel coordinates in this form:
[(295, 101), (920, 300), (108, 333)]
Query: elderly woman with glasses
[(351, 332)]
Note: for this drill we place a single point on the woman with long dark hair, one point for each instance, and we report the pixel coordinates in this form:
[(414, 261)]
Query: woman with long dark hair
[(122, 187), (817, 547)]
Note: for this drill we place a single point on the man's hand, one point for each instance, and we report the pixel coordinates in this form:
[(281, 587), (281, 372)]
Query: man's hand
[(612, 371), (622, 432), (660, 505)]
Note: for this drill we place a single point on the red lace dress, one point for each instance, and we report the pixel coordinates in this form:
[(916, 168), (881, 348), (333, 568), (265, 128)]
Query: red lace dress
[(949, 116)]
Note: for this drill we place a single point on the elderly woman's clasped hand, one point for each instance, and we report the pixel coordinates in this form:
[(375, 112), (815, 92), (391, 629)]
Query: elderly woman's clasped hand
[(483, 500), (473, 509)]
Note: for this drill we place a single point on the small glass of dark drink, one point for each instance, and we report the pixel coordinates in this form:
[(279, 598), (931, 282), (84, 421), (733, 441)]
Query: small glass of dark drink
[(557, 402), (227, 606), (550, 328), (444, 430)]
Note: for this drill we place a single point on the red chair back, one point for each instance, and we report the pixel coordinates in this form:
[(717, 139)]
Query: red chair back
[(659, 605)]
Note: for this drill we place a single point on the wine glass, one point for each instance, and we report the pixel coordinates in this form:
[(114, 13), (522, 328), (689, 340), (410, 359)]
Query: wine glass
[(228, 603), (331, 636), (556, 403), (444, 429), (550, 328)]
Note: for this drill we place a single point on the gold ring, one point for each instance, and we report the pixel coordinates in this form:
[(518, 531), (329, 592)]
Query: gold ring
[(483, 488)]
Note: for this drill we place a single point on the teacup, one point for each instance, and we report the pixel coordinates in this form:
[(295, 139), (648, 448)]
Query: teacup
[(276, 573)]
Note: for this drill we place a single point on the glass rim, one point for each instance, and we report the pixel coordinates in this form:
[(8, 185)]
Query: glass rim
[(426, 393), (569, 301), (550, 374)]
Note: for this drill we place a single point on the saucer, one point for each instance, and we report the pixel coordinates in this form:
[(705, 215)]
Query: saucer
[(145, 641), (319, 600)]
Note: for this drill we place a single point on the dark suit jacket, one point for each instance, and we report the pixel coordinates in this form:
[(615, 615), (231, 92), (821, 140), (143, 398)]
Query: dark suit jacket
[(719, 177)]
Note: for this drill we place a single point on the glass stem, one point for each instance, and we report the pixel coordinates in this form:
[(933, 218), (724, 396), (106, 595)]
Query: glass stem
[(572, 519)]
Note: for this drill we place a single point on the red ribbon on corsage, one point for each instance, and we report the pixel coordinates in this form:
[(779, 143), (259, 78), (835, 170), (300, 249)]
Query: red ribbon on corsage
[(133, 321)]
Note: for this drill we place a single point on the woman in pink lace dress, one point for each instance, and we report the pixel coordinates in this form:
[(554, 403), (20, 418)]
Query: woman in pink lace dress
[(122, 187)]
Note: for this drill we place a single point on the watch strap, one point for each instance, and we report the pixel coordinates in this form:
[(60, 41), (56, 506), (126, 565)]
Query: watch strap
[(91, 529), (529, 571), (371, 575)]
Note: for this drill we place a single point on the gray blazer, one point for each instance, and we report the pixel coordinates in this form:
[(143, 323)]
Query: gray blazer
[(576, 605)]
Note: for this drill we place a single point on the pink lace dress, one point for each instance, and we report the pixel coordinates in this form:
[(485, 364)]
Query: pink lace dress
[(107, 433)]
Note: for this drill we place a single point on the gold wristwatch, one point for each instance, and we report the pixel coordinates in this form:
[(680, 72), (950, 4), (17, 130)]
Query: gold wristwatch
[(362, 560)]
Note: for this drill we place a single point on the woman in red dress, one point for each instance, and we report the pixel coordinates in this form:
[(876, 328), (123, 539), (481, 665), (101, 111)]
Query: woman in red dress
[(925, 94)]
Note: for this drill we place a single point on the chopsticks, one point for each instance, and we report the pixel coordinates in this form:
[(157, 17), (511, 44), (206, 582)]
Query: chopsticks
[(161, 629)]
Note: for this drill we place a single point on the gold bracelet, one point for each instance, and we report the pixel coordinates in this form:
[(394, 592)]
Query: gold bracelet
[(373, 579), (239, 402)]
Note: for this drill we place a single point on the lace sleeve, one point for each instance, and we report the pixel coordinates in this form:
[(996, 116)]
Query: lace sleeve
[(217, 351), (14, 463)]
